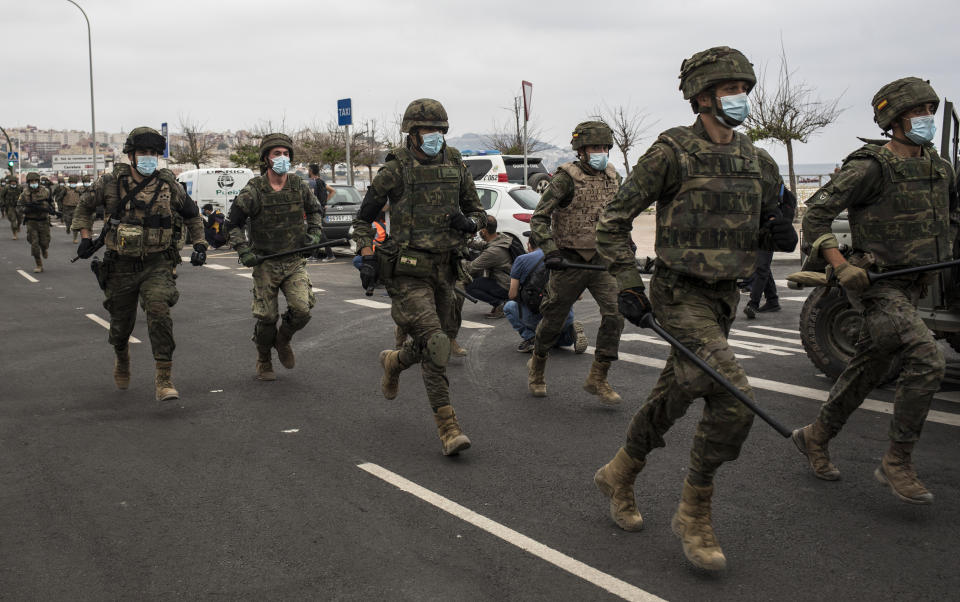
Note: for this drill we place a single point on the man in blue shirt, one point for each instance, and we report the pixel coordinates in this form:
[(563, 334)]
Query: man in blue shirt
[(523, 319)]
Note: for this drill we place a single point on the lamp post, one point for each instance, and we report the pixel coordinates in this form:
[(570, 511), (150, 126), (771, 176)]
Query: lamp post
[(93, 119)]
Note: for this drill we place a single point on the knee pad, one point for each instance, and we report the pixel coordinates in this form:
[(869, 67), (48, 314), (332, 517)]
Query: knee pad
[(295, 320), (156, 309), (265, 333), (438, 349)]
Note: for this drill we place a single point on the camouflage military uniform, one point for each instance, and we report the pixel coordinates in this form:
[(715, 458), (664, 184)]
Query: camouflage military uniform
[(693, 289), (10, 195), (140, 258), (276, 219), (68, 204), (36, 206), (900, 214)]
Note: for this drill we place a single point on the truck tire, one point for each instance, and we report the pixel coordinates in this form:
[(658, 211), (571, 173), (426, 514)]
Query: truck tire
[(539, 182), (829, 329), (953, 339)]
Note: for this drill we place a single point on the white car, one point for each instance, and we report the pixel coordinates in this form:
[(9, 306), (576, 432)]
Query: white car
[(511, 204), (491, 166)]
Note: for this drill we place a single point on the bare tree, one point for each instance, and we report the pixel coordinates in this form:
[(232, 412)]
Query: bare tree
[(369, 151), (197, 146), (629, 127), (788, 112), (508, 138), (246, 151)]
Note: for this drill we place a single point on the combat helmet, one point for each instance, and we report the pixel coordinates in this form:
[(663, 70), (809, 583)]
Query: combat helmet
[(899, 96), (45, 181), (591, 133), (73, 180), (425, 112), (274, 140), (144, 138), (33, 177), (709, 67)]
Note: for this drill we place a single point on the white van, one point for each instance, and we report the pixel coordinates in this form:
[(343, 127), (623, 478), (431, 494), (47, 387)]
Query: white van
[(217, 186)]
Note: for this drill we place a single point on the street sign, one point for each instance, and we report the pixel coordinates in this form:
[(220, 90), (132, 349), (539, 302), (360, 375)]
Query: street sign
[(344, 112), (527, 97), (163, 132), (14, 156)]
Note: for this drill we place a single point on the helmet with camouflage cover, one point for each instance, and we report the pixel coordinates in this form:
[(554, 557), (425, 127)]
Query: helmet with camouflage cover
[(425, 112), (710, 67), (899, 96), (46, 181), (591, 133), (73, 180), (85, 178), (10, 179), (33, 177), (144, 138), (274, 140)]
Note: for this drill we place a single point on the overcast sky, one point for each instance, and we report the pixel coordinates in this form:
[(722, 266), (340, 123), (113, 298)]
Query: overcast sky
[(232, 65)]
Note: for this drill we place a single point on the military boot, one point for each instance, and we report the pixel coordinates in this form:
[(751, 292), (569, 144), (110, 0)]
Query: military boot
[(597, 384), (400, 337), (692, 524), (39, 267), (456, 350), (165, 390), (812, 441), (536, 381), (284, 350), (390, 383), (896, 470), (74, 236), (448, 429), (615, 480), (121, 369), (264, 365)]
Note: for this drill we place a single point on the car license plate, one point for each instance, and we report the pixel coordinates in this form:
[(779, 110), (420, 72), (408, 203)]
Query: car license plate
[(339, 218)]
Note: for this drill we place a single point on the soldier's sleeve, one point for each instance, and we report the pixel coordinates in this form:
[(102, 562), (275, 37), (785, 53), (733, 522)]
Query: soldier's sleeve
[(857, 183), (469, 200), (241, 209), (954, 203), (387, 186), (654, 177), (558, 193), (188, 210), (312, 209), (771, 183), (86, 208)]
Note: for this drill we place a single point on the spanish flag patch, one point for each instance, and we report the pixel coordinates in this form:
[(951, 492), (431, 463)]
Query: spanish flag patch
[(881, 104)]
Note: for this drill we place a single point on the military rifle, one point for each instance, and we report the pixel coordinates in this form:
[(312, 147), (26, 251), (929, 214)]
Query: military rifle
[(100, 240)]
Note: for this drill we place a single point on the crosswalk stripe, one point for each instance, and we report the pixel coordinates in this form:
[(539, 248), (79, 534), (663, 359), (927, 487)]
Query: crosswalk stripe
[(469, 324), (216, 266), (246, 274), (369, 303), (98, 320), (27, 276), (653, 340), (773, 329), (318, 290), (793, 299), (757, 335)]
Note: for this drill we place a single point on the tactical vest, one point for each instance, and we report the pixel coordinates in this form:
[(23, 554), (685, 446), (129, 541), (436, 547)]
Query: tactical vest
[(575, 226), (71, 198), (36, 205), (710, 229), (431, 194), (909, 224), (279, 225), (146, 220)]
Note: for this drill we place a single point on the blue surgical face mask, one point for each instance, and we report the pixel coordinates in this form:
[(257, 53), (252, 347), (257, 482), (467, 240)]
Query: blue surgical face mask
[(735, 109), (146, 164), (34, 185), (432, 143), (922, 129), (74, 185), (598, 161), (281, 164)]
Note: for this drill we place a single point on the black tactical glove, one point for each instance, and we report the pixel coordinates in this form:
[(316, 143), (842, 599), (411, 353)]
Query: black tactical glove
[(199, 255), (85, 248), (783, 235), (248, 258), (461, 222), (554, 261), (633, 304), (368, 273)]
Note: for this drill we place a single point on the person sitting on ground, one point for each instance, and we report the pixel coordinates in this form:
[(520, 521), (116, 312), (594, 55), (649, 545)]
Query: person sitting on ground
[(213, 226), (520, 311), (491, 269)]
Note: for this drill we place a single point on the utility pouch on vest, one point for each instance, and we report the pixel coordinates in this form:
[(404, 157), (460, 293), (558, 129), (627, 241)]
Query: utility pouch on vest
[(100, 269), (158, 237), (415, 264), (386, 255), (130, 240)]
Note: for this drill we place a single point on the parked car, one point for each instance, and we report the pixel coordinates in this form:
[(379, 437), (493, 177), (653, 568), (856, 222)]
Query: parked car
[(342, 208), (491, 166), (511, 204)]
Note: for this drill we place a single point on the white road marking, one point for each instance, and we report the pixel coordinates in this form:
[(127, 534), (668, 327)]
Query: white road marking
[(290, 431), (469, 324), (27, 276), (246, 274), (97, 319), (185, 258), (560, 560), (773, 329), (217, 391), (654, 340), (952, 396), (369, 303), (216, 266), (793, 298), (874, 405), (318, 290), (757, 335)]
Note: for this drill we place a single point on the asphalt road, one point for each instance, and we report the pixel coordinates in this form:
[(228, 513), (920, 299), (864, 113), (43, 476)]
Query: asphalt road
[(289, 490)]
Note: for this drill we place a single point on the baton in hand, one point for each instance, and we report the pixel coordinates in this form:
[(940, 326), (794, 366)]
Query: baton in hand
[(465, 295), (569, 265), (874, 276), (329, 243)]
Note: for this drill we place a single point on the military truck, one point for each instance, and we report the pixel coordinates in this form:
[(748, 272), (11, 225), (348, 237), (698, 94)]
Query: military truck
[(829, 322)]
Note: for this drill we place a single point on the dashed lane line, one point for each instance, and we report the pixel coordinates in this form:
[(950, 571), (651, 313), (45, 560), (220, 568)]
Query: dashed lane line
[(560, 560), (245, 274), (27, 276), (97, 319), (801, 299), (216, 266), (318, 290), (767, 337), (469, 324), (775, 329), (369, 303), (874, 405)]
